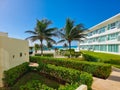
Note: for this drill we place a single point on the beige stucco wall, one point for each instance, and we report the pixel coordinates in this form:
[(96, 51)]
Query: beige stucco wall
[(10, 50)]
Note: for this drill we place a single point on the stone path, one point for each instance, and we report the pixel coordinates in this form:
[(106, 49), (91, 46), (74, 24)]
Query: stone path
[(112, 83)]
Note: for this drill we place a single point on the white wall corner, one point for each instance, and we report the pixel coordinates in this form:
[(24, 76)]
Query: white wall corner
[(82, 87)]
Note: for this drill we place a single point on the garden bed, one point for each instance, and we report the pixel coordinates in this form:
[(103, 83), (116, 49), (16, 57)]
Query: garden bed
[(100, 70), (23, 77), (42, 78)]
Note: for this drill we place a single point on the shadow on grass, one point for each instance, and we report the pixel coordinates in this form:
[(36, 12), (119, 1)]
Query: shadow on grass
[(35, 76)]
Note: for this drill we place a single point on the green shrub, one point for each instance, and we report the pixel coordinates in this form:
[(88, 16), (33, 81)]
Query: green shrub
[(90, 58), (85, 78), (12, 75), (100, 70), (73, 54), (67, 52), (69, 87), (66, 74), (113, 61), (62, 73), (46, 55)]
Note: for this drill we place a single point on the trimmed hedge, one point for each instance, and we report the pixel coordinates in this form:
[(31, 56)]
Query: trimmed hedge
[(46, 55), (100, 70), (13, 74), (66, 74)]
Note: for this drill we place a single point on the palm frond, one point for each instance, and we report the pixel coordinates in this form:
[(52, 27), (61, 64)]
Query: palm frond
[(49, 30), (32, 38), (51, 40), (30, 32), (61, 41)]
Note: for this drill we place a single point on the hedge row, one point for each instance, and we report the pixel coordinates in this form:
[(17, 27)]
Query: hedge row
[(66, 74), (12, 75), (100, 70)]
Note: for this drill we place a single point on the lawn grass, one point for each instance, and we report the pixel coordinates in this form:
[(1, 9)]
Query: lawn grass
[(103, 56), (35, 76), (112, 59)]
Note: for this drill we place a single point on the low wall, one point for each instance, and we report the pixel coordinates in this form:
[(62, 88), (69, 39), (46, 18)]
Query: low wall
[(82, 87)]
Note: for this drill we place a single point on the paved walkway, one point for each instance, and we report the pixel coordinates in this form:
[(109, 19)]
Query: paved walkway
[(112, 83)]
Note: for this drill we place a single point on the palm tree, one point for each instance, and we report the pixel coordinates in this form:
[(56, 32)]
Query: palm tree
[(71, 32), (42, 32), (49, 45)]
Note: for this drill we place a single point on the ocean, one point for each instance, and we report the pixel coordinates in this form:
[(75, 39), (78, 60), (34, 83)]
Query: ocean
[(61, 47)]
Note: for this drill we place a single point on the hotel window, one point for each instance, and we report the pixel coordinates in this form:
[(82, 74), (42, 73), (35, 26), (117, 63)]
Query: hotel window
[(113, 48), (113, 36), (102, 38), (112, 25)]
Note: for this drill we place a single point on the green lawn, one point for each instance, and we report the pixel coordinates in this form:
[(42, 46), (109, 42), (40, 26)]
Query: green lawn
[(35, 76), (105, 57)]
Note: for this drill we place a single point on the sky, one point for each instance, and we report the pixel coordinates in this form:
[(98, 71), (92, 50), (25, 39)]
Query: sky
[(18, 16)]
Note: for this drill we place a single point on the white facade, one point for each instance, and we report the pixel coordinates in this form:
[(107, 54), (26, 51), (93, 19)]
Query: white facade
[(103, 37)]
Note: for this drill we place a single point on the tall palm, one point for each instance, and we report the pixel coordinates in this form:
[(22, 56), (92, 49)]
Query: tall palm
[(42, 32), (71, 32)]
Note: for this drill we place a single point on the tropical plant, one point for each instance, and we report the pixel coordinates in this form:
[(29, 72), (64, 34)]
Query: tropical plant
[(42, 32), (37, 47), (71, 32), (65, 45), (49, 45)]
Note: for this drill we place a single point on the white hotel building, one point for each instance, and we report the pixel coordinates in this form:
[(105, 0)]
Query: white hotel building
[(103, 37)]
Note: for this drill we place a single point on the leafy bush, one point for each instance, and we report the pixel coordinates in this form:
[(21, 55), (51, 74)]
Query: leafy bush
[(67, 53), (90, 58), (61, 73), (46, 55), (69, 86), (73, 54), (100, 70), (66, 74), (113, 61), (12, 75)]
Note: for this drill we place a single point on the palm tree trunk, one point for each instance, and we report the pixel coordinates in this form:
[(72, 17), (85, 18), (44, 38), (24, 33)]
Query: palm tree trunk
[(41, 48), (70, 48)]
